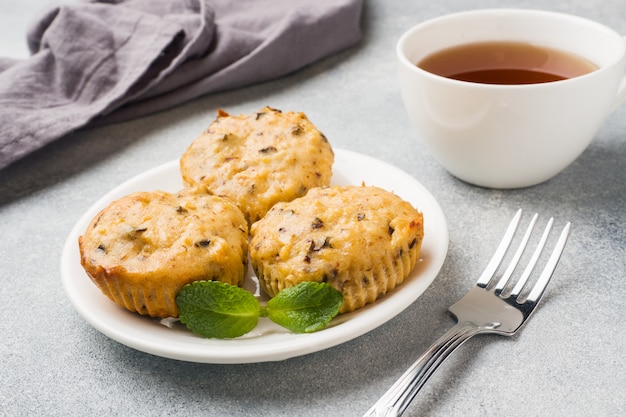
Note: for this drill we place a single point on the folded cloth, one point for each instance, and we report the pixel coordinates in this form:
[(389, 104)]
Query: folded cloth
[(103, 61)]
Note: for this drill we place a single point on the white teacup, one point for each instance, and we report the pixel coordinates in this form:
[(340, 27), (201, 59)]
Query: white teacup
[(510, 136)]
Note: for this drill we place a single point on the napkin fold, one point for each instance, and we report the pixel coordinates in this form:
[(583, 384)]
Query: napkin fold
[(104, 61)]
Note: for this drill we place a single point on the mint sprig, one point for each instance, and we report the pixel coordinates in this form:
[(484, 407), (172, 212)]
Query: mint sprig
[(217, 310)]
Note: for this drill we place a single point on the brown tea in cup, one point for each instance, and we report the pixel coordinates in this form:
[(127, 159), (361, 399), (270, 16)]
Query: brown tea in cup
[(505, 62)]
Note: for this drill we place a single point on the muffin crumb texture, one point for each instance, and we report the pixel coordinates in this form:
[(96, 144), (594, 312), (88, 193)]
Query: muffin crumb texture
[(362, 240), (142, 248), (259, 159)]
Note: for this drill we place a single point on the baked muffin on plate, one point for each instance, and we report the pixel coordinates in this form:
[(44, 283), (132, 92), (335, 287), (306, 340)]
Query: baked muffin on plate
[(362, 240), (142, 248), (259, 159)]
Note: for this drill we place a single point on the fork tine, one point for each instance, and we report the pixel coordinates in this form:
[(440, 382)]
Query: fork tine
[(539, 288), (497, 257), (518, 254), (533, 260)]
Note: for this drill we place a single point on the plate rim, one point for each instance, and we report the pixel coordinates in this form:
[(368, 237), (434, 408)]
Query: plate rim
[(351, 325)]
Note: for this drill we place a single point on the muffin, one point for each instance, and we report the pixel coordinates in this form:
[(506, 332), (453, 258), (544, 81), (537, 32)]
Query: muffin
[(142, 248), (362, 240), (258, 159)]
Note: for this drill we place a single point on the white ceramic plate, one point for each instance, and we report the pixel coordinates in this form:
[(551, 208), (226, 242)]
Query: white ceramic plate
[(268, 341)]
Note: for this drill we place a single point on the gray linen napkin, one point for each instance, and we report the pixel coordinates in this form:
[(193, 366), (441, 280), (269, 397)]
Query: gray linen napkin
[(103, 61)]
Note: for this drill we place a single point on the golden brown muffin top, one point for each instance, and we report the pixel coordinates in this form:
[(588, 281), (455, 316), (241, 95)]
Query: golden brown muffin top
[(358, 239), (259, 159)]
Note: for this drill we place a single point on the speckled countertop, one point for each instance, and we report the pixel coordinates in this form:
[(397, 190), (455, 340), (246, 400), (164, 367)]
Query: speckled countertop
[(567, 361)]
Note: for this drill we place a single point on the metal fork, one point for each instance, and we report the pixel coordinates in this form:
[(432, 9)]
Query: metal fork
[(484, 309)]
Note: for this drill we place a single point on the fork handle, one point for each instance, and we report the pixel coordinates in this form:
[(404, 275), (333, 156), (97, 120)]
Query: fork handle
[(397, 398)]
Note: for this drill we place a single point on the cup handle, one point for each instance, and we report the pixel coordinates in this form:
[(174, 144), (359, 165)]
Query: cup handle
[(621, 91)]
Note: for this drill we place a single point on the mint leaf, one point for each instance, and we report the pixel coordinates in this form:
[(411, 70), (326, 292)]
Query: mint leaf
[(306, 307), (216, 309)]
